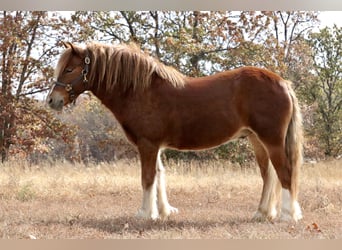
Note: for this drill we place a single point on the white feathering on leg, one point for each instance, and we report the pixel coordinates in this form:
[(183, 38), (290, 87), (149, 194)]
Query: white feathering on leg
[(270, 196), (165, 209), (149, 208), (286, 205)]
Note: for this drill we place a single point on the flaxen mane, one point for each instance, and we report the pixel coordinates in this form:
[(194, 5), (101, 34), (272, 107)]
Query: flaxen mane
[(128, 66)]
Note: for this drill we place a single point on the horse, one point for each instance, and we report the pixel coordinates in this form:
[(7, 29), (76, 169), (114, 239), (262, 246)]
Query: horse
[(158, 107)]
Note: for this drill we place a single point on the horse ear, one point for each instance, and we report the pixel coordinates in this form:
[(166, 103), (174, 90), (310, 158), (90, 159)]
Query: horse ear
[(67, 44), (75, 49)]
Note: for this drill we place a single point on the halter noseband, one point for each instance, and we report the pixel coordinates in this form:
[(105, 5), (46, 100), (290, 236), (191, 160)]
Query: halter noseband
[(69, 86)]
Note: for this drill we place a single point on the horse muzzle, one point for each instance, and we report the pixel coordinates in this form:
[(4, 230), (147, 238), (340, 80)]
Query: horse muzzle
[(55, 102)]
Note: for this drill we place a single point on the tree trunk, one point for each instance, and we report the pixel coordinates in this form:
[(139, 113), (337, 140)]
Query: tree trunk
[(7, 121)]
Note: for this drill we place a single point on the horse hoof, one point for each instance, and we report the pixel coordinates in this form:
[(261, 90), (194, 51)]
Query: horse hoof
[(262, 217), (165, 213), (288, 217), (259, 217), (141, 214), (173, 210)]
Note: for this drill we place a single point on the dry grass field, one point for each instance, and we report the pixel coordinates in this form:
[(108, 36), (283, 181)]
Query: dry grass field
[(215, 201)]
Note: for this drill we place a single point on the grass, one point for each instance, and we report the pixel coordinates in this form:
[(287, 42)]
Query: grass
[(216, 200)]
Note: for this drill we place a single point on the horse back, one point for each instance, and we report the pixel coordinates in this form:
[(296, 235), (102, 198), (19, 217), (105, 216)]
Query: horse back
[(211, 110), (207, 111)]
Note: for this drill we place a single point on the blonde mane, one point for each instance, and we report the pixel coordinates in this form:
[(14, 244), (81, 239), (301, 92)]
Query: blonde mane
[(127, 66)]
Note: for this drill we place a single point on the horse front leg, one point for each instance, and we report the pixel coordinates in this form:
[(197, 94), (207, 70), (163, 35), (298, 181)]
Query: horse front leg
[(165, 209), (148, 157)]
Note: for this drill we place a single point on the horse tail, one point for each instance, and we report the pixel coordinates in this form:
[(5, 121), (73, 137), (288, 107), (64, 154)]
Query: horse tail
[(294, 140)]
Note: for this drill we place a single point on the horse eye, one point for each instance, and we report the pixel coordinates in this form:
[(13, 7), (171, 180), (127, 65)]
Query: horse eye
[(68, 70)]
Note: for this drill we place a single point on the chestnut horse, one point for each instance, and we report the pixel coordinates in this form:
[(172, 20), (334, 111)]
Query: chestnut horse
[(158, 107)]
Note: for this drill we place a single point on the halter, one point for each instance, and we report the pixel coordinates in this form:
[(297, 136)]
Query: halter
[(69, 86)]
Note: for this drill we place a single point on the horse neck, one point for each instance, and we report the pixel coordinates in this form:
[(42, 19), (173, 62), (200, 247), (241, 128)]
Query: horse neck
[(114, 100)]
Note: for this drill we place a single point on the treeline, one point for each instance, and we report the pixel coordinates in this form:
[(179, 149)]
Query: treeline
[(196, 43)]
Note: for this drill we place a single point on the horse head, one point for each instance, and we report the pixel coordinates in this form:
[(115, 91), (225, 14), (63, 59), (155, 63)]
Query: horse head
[(70, 77)]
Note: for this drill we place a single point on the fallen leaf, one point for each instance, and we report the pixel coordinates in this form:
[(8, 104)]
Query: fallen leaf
[(315, 226)]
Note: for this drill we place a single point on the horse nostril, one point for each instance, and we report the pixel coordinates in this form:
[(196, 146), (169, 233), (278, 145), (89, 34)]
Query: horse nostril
[(50, 100)]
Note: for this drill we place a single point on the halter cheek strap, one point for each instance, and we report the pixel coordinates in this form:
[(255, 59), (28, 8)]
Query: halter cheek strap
[(69, 87)]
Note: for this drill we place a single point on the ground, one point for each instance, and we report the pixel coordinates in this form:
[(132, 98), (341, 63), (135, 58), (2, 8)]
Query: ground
[(216, 200)]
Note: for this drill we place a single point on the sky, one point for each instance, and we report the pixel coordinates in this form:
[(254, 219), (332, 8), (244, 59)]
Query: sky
[(328, 18)]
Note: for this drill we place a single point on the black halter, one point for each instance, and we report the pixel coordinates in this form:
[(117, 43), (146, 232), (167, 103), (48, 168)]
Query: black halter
[(69, 86)]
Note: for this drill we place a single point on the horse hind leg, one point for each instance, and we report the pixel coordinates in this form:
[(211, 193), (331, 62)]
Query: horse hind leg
[(165, 209), (268, 205), (288, 177)]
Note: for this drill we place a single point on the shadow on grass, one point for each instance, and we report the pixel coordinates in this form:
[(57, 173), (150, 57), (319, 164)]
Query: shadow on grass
[(138, 227)]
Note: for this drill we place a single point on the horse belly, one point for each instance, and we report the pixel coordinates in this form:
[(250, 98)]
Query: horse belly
[(202, 135)]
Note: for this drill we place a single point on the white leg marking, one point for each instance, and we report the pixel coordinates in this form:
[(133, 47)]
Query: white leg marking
[(165, 209), (270, 196), (149, 208), (286, 205), (297, 212), (290, 208)]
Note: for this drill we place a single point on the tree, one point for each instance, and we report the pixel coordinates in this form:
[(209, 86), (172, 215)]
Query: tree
[(27, 52), (326, 88), (187, 40), (280, 45)]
